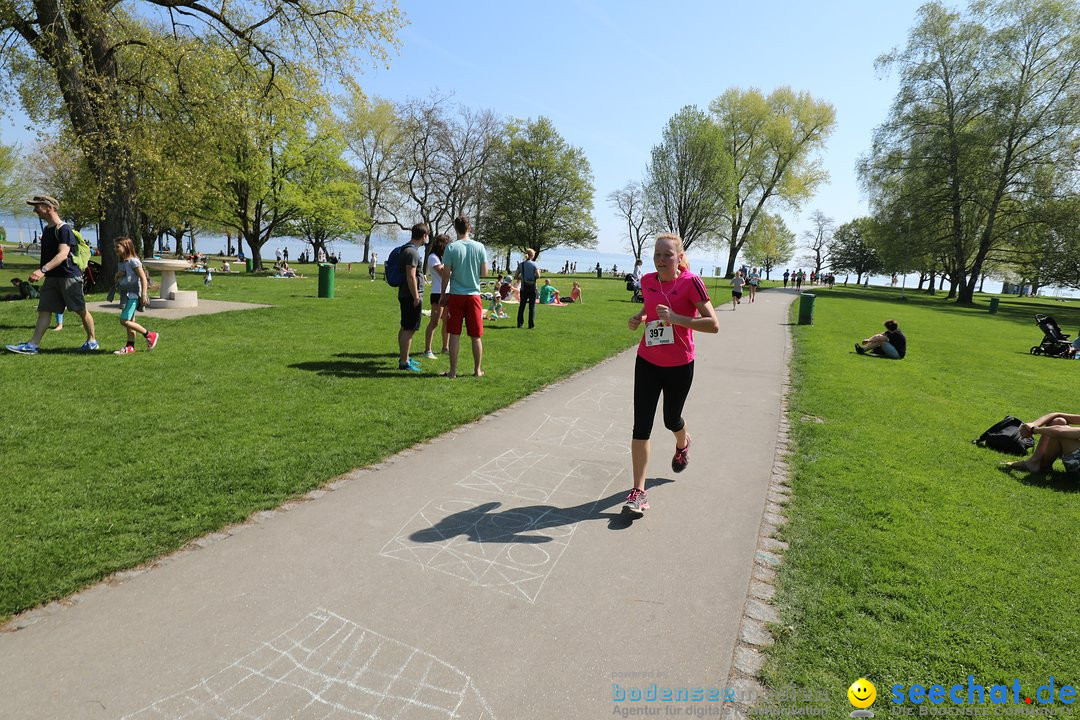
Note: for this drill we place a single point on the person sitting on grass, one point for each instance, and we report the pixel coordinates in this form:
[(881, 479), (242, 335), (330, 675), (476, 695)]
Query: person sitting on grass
[(1060, 438), (890, 344), (495, 309), (548, 294), (26, 290), (575, 293)]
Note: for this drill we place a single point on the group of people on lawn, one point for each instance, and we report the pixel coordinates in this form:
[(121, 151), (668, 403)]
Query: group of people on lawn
[(457, 297)]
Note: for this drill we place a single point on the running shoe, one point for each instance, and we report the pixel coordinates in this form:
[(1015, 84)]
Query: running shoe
[(860, 349), (409, 367), (151, 340), (89, 346), (431, 356), (681, 458), (126, 350), (23, 349), (637, 502)]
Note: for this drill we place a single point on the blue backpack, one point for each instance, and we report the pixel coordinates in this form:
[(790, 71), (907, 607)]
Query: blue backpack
[(392, 267)]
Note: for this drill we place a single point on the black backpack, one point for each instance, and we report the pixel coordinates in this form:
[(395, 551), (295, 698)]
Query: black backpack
[(1004, 436)]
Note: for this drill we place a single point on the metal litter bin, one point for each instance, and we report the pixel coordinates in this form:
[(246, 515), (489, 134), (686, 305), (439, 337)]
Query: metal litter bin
[(326, 280), (994, 302), (806, 308)]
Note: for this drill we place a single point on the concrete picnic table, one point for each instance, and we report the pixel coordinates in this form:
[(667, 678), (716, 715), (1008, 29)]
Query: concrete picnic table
[(170, 296)]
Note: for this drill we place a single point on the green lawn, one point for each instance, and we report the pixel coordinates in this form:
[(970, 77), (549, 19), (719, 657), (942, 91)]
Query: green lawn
[(106, 461), (913, 558)]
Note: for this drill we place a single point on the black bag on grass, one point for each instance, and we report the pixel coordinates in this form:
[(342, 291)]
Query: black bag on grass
[(1004, 436)]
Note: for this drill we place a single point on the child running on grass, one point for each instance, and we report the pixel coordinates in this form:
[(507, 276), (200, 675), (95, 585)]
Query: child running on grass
[(676, 304), (133, 285)]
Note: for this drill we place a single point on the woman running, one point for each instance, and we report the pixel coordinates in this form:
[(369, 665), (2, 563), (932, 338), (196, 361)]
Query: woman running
[(676, 302)]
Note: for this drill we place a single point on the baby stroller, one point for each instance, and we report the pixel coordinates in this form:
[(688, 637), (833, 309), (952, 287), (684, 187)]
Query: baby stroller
[(90, 276), (1054, 343), (634, 286)]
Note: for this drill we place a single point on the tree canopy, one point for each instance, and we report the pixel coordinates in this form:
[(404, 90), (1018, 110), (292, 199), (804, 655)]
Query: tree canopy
[(982, 131), (539, 191), (104, 61), (770, 144)]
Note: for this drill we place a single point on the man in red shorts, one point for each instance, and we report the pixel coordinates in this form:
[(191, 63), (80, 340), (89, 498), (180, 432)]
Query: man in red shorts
[(464, 263)]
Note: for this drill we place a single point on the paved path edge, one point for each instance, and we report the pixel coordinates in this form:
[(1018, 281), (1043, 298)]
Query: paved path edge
[(38, 613), (748, 655)]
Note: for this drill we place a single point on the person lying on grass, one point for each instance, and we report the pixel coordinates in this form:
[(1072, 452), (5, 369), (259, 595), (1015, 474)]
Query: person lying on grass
[(1060, 438), (890, 344)]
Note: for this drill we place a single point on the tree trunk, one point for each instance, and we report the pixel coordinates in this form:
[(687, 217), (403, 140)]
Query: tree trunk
[(733, 252), (955, 283), (933, 279), (118, 221), (256, 254), (367, 245)]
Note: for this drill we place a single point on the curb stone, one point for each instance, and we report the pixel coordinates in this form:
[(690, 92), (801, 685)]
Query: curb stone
[(758, 612)]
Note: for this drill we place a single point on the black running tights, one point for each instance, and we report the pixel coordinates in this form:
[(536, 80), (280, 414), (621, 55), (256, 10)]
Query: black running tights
[(649, 381)]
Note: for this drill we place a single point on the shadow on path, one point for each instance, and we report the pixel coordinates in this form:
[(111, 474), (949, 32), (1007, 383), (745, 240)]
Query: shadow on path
[(481, 525)]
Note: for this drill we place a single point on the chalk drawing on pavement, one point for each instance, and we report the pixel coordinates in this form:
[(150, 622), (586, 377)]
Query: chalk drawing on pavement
[(541, 477), (511, 548), (328, 668), (594, 435)]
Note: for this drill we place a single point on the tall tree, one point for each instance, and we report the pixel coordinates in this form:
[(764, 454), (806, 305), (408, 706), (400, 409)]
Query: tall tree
[(539, 192), (81, 46), (770, 243), (685, 181), (58, 168), (629, 201), (260, 151), (328, 196), (373, 134), (444, 155), (13, 184), (818, 239), (852, 251), (770, 145), (987, 110)]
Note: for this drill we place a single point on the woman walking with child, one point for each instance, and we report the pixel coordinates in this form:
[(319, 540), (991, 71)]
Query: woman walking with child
[(133, 286), (676, 303)]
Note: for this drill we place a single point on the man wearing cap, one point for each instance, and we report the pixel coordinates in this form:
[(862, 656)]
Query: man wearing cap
[(62, 286)]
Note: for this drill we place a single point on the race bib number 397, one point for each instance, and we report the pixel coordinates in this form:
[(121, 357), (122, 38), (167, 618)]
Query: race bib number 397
[(658, 332)]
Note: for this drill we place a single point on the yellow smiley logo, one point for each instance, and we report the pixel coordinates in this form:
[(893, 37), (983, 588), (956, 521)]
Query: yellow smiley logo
[(862, 693)]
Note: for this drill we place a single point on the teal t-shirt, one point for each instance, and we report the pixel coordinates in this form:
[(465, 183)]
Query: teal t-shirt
[(465, 258)]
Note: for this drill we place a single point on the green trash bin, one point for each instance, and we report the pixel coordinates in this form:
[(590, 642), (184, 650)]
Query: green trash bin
[(994, 304), (249, 264), (806, 308), (326, 280)]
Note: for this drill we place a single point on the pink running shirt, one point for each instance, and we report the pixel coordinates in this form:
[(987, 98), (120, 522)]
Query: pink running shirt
[(681, 295)]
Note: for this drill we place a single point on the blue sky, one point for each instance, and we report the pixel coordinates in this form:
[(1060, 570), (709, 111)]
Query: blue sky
[(610, 74)]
